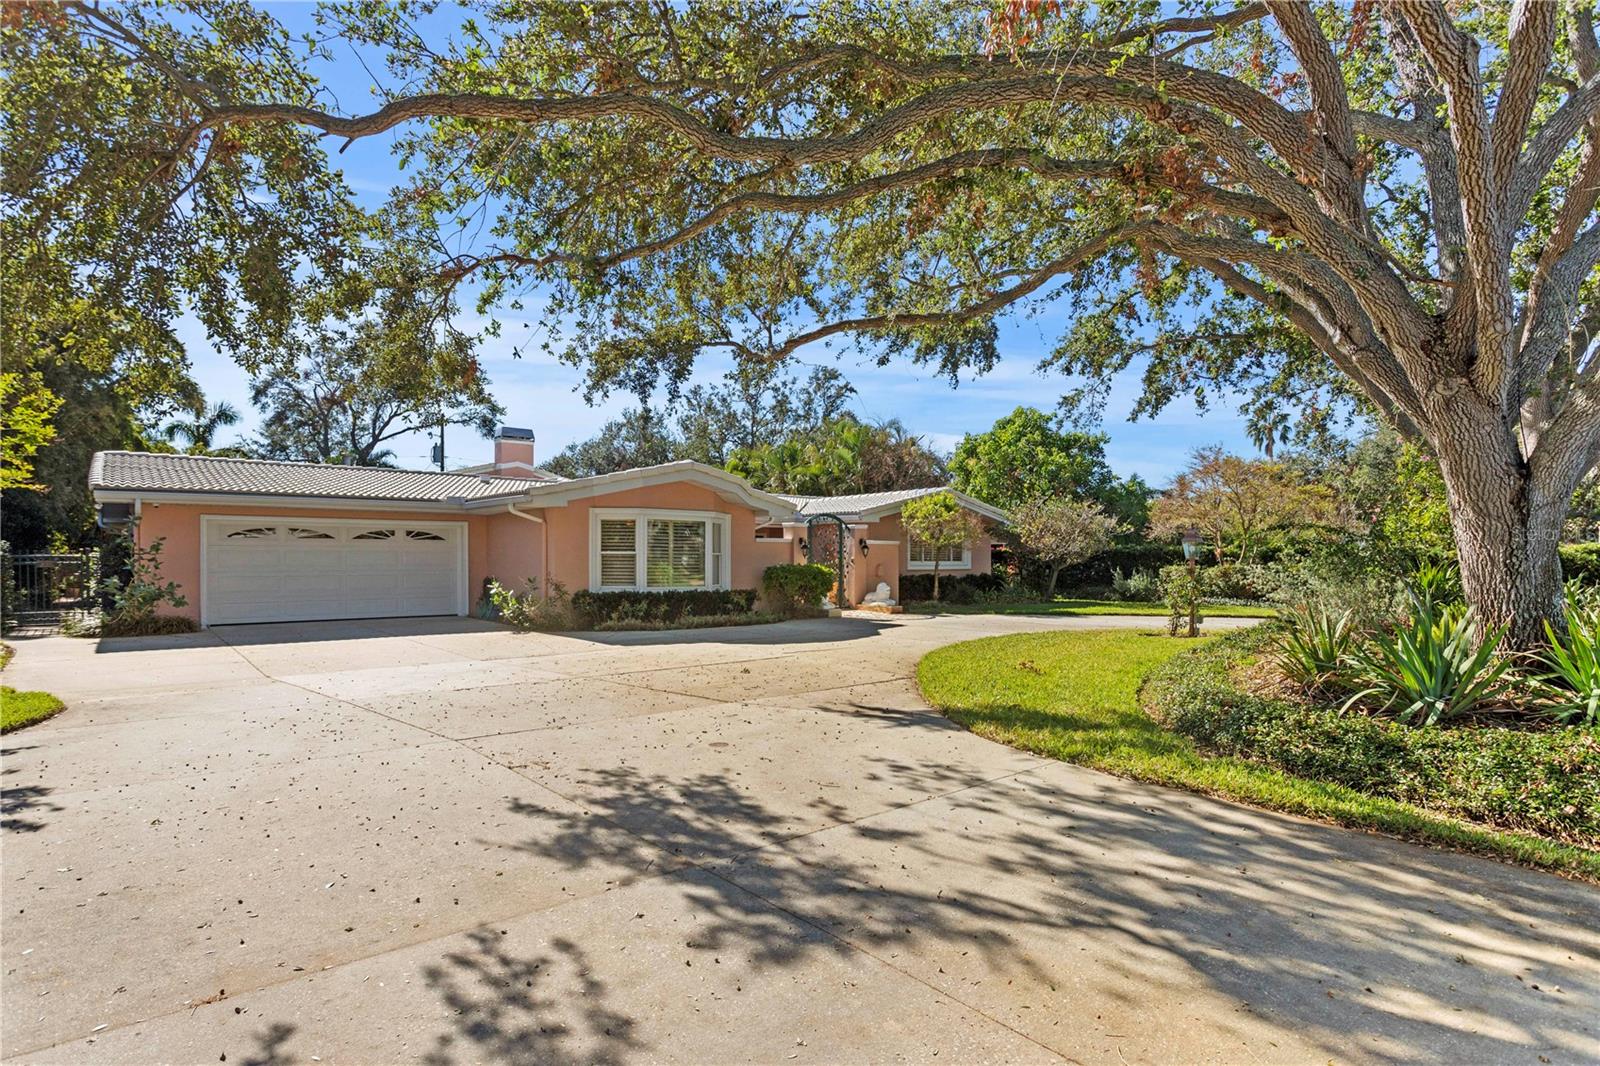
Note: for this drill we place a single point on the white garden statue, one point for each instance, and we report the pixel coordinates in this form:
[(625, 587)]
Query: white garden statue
[(880, 596)]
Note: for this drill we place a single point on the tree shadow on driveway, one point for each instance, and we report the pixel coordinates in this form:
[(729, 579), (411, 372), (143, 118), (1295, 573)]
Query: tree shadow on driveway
[(1057, 896), (547, 1008), (21, 807)]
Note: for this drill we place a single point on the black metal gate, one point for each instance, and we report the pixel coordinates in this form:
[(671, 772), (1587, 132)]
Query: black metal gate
[(828, 543), (41, 588)]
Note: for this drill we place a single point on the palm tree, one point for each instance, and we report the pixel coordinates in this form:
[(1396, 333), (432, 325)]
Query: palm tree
[(197, 433)]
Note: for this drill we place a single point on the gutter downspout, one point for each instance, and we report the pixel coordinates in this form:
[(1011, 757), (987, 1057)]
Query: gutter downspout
[(544, 549)]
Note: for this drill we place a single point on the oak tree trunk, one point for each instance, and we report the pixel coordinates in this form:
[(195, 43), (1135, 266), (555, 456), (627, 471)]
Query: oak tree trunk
[(1507, 527)]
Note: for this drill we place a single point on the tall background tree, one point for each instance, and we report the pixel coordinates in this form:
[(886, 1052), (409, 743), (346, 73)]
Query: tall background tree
[(1234, 503), (841, 456), (781, 431), (755, 404), (1061, 533), (198, 431), (639, 437), (1387, 202), (1025, 457)]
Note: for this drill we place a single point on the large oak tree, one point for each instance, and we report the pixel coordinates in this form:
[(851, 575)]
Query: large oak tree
[(1391, 201)]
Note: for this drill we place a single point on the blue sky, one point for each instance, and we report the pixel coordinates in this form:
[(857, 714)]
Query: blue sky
[(544, 395)]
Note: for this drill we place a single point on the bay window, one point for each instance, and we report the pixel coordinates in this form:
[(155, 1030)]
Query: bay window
[(652, 549)]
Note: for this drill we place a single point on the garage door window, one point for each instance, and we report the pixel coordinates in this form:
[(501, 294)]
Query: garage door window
[(659, 550)]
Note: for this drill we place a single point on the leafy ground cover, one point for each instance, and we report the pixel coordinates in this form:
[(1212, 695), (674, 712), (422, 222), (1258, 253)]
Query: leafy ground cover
[(18, 709), (1072, 608), (1522, 774), (1075, 696)]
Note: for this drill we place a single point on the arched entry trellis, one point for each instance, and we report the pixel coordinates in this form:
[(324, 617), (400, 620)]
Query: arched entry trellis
[(828, 542)]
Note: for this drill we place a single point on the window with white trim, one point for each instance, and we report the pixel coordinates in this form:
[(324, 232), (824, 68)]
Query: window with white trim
[(921, 556), (675, 553), (619, 556), (660, 550)]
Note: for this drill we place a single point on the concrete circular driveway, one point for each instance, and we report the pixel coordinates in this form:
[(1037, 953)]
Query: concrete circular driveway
[(439, 841)]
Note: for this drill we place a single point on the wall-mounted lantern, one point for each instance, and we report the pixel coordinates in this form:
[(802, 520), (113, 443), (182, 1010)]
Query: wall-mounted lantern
[(864, 548)]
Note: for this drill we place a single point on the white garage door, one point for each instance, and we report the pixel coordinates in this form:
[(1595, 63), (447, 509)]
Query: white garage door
[(301, 569)]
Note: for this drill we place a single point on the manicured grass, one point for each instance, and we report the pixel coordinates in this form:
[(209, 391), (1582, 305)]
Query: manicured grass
[(1074, 696), (1089, 607), (6, 652), (18, 709)]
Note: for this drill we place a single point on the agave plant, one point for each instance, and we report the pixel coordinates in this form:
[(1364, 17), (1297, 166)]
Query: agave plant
[(1434, 667), (1315, 645), (1572, 683), (1582, 597), (1435, 583)]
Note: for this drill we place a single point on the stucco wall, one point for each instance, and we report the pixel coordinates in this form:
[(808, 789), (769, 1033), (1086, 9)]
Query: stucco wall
[(512, 550), (880, 563), (568, 528), (179, 524)]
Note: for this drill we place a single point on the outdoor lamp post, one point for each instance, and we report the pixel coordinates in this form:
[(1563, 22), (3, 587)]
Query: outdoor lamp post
[(1191, 556)]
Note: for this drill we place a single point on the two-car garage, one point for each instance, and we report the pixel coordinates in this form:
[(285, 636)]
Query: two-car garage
[(270, 569)]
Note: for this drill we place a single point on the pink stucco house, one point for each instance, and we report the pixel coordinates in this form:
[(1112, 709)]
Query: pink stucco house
[(260, 541)]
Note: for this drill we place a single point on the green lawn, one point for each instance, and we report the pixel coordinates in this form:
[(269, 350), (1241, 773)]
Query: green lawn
[(18, 709), (1074, 696), (1089, 607)]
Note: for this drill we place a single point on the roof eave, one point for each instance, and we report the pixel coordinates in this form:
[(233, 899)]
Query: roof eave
[(728, 486), (107, 494), (977, 506)]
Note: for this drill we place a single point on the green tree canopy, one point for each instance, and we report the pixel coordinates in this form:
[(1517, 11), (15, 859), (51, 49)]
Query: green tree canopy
[(639, 437), (374, 354), (756, 404), (27, 407), (1026, 456), (753, 406), (1234, 502), (198, 431), (841, 456), (1061, 532)]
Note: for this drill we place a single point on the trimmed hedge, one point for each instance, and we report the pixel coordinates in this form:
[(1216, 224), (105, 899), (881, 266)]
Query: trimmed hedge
[(1581, 562), (953, 588), (595, 609), (697, 621), (1097, 572), (796, 587), (1545, 782)]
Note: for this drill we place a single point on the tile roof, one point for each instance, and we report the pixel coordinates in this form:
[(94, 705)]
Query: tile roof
[(162, 472), (856, 504)]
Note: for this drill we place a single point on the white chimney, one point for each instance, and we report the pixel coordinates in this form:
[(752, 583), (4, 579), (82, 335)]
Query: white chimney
[(513, 452)]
